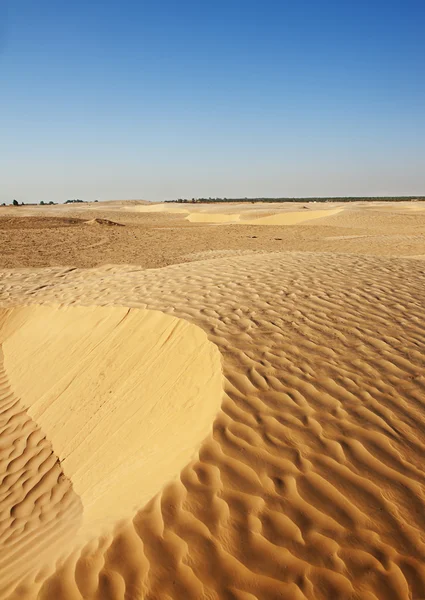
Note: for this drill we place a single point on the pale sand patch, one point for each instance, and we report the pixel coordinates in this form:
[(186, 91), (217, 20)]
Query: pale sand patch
[(395, 207), (280, 218), (292, 218), (245, 214), (211, 217), (124, 395), (156, 207)]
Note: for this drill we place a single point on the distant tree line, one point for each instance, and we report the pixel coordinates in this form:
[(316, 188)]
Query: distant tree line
[(318, 199), (43, 203)]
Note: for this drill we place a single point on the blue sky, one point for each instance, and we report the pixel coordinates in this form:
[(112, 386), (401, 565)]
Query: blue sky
[(159, 100)]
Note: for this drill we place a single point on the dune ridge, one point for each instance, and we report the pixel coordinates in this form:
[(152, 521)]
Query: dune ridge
[(125, 398), (312, 483)]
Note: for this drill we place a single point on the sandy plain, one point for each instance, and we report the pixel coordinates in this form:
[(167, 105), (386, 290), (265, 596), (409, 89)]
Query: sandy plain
[(225, 402)]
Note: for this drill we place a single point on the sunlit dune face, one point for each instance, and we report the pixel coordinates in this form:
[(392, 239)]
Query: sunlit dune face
[(125, 396)]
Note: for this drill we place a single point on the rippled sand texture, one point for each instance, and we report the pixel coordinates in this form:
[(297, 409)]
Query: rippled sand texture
[(312, 482)]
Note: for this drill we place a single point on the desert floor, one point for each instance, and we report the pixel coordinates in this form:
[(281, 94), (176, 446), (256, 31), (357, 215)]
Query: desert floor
[(207, 402)]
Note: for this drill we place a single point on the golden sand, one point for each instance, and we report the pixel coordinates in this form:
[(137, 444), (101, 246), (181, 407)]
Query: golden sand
[(240, 213), (113, 389), (309, 481)]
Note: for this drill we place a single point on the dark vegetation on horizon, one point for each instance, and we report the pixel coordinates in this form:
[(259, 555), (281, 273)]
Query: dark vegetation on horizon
[(318, 199), (42, 203)]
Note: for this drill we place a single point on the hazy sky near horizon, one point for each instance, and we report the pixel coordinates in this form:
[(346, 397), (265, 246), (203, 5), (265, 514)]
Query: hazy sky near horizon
[(161, 99)]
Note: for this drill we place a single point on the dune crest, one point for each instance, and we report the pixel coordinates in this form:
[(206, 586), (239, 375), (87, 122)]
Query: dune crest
[(126, 397)]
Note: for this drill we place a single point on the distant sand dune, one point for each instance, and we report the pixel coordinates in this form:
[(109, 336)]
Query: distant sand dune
[(245, 214)]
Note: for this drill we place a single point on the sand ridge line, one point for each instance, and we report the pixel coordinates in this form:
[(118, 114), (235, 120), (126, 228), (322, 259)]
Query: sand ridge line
[(117, 388)]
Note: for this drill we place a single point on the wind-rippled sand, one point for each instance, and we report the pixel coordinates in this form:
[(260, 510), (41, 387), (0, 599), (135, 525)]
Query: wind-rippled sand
[(311, 482)]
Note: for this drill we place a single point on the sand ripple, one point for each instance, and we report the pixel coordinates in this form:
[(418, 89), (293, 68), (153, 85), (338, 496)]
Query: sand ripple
[(312, 484)]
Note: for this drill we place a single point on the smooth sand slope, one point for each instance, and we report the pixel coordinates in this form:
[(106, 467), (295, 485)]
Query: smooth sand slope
[(125, 396), (312, 483)]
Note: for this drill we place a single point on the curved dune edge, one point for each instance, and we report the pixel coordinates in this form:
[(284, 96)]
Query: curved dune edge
[(124, 395)]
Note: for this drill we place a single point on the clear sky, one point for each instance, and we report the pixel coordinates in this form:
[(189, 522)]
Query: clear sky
[(164, 99)]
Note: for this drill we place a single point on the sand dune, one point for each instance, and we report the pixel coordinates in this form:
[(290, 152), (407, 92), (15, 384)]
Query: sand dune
[(312, 483), (246, 214), (278, 218), (124, 395)]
